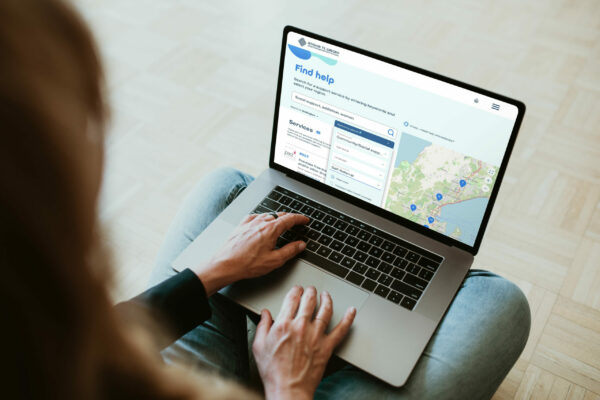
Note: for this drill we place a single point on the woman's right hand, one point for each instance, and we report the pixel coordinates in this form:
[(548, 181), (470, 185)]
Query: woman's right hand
[(292, 352)]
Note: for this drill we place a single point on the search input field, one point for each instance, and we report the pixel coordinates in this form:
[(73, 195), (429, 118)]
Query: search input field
[(382, 130)]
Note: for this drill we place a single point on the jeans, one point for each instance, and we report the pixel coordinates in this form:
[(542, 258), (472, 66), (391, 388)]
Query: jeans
[(476, 344)]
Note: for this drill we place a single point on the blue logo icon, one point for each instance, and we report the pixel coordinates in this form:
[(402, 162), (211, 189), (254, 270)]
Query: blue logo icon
[(306, 54), (439, 196), (318, 132)]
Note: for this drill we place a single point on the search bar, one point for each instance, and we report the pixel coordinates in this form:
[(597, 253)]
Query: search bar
[(336, 112)]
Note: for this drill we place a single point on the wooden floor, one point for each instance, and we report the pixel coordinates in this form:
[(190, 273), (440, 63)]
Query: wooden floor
[(192, 87)]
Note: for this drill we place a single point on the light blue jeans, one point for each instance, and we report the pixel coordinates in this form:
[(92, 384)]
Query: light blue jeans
[(475, 346)]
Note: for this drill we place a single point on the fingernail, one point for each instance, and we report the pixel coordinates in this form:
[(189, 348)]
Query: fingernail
[(353, 310), (325, 292), (301, 246)]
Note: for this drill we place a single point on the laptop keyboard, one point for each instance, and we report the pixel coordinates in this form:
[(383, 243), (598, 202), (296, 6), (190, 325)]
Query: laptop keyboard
[(361, 254)]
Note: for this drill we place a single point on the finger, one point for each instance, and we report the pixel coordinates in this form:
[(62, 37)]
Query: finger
[(325, 312), (341, 329), (308, 303), (290, 304), (288, 251), (287, 221), (249, 218), (264, 325)]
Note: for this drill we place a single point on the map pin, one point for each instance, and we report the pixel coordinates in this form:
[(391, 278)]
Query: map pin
[(462, 183), (430, 219), (439, 196), (413, 207), (426, 226)]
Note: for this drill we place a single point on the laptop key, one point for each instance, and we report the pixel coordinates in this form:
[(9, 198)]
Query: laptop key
[(372, 262), (360, 268), (329, 220), (339, 235), (372, 273), (348, 262), (307, 210), (388, 257), (318, 215), (324, 263), (341, 225), (364, 235), (400, 263), (285, 209), (312, 245), (285, 200), (363, 246), (324, 251), (405, 289), (376, 240), (382, 291), (429, 264), (324, 239), (426, 274), (352, 230), (274, 195), (385, 267), (336, 245), (375, 251), (385, 280), (400, 251), (335, 257), (351, 240), (369, 285), (316, 225), (328, 230), (312, 234), (296, 205), (348, 251), (408, 303), (413, 269), (398, 273), (416, 282), (360, 256), (394, 297), (412, 256), (355, 278), (387, 246)]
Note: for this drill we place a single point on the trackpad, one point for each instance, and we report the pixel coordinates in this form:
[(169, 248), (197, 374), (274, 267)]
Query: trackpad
[(269, 291)]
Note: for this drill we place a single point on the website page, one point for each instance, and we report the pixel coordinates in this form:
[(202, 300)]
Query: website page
[(424, 149)]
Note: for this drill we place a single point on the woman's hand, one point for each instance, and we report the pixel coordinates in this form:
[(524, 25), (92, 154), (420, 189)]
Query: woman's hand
[(292, 352), (249, 252)]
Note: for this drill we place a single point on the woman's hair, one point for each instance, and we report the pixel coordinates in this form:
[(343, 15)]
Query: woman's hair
[(61, 337)]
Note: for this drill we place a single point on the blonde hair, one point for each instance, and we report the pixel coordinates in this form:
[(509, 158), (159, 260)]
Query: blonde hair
[(63, 338)]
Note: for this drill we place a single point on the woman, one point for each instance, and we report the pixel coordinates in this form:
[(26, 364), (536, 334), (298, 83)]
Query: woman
[(65, 340)]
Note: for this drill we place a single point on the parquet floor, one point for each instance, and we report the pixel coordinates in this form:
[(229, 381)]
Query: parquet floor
[(192, 87)]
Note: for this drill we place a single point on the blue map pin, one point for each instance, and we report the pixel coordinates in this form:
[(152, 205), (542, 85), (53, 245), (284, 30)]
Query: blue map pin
[(439, 196), (462, 183), (430, 219), (426, 226), (413, 207)]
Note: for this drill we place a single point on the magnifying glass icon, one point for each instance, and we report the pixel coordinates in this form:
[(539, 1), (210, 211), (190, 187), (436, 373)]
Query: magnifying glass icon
[(391, 132)]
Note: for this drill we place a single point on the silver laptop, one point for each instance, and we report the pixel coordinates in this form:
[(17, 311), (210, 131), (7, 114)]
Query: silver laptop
[(398, 169)]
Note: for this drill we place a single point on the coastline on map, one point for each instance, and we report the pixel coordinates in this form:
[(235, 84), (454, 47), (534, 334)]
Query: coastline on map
[(466, 215)]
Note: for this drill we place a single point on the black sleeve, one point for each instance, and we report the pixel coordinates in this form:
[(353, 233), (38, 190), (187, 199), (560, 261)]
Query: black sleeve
[(178, 305)]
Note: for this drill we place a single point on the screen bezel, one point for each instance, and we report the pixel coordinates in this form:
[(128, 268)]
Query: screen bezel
[(371, 207)]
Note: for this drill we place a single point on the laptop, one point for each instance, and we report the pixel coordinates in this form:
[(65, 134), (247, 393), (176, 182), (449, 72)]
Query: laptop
[(398, 169)]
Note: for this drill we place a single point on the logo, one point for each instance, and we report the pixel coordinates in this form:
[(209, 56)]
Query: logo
[(288, 153), (304, 54)]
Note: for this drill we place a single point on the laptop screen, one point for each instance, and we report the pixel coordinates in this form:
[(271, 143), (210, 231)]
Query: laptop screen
[(419, 147)]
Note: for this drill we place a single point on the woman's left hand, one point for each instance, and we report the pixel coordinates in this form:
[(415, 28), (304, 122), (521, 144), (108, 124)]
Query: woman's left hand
[(250, 250)]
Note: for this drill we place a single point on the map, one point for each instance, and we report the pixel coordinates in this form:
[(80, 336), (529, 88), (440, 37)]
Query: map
[(439, 188)]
